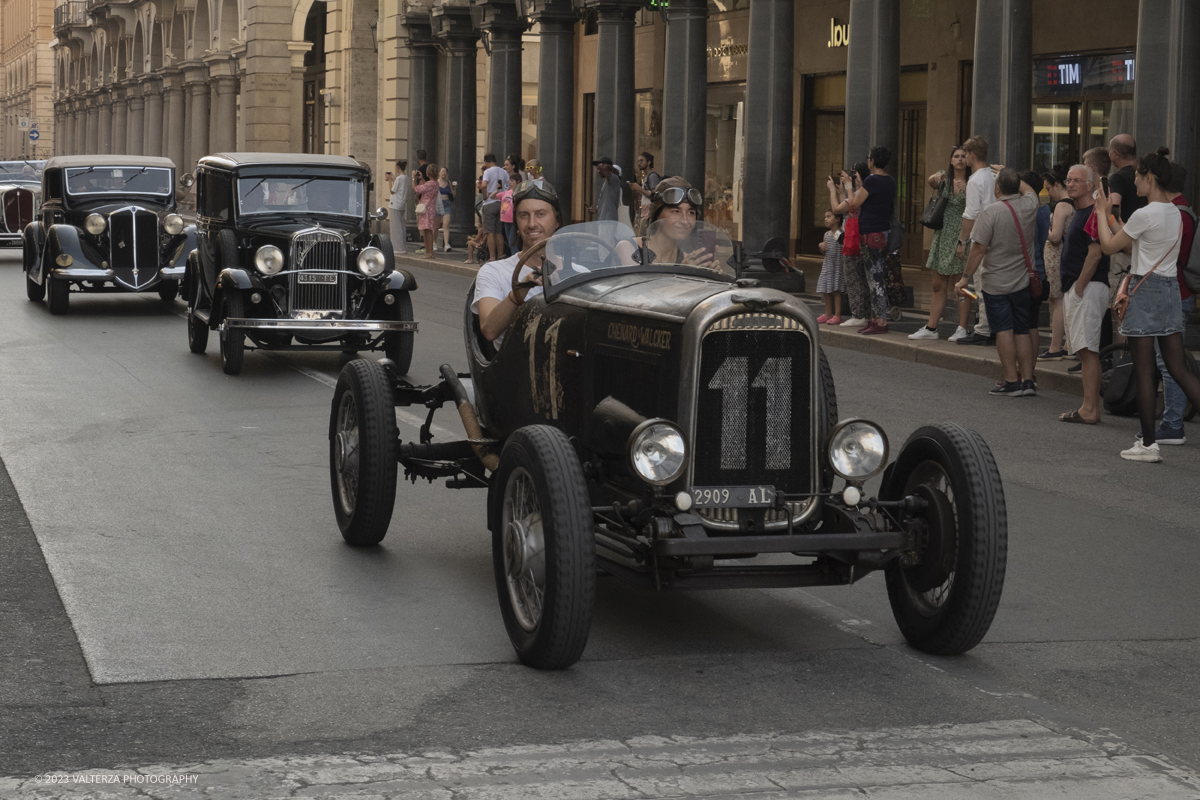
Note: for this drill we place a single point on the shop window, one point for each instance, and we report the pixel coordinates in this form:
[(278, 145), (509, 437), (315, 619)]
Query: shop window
[(1052, 139), (529, 120), (1107, 118), (723, 157), (648, 133)]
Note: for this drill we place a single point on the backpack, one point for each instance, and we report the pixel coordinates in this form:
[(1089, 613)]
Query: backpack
[(1191, 269)]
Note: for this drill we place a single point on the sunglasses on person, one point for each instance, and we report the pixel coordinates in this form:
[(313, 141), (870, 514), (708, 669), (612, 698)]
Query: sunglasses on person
[(677, 194)]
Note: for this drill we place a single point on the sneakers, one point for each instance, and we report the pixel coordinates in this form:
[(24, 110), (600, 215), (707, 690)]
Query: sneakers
[(834, 320), (975, 338), (821, 320), (1055, 355), (1171, 436), (1009, 389), (873, 329), (1077, 368), (420, 251), (448, 249), (961, 333), (1029, 388), (1139, 452), (854, 322), (923, 333)]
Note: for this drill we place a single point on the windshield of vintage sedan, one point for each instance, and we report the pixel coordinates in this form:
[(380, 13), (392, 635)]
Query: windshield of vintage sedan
[(298, 194), (118, 180), (685, 246), (21, 171)]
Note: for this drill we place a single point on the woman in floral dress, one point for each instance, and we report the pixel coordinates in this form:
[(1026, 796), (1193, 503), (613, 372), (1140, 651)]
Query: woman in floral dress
[(427, 193), (943, 260)]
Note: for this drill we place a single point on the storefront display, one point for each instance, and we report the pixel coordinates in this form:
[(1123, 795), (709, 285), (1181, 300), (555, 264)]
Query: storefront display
[(1080, 102)]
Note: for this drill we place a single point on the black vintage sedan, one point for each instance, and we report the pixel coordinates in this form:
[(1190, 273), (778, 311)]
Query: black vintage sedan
[(106, 224), (676, 426), (20, 196), (285, 259)]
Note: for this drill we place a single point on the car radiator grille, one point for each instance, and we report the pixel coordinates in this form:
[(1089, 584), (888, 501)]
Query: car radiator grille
[(18, 209), (133, 240), (318, 282), (753, 414)]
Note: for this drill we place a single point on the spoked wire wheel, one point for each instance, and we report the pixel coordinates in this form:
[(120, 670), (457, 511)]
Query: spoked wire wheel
[(929, 585), (524, 550), (345, 454)]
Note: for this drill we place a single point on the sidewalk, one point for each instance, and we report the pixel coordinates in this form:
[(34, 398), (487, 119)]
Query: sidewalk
[(972, 359)]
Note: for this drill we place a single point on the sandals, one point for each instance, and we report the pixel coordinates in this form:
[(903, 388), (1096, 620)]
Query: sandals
[(1075, 417)]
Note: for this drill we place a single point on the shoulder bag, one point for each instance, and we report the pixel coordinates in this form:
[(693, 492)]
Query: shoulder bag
[(850, 243), (1035, 283), (1121, 302), (934, 216)]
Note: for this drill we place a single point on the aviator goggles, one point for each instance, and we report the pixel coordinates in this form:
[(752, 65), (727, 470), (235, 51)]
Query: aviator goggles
[(677, 194), (537, 189)]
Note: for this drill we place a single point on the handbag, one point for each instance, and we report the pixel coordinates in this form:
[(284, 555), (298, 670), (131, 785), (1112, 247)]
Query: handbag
[(1121, 303), (420, 208), (1035, 283), (850, 245), (934, 216)]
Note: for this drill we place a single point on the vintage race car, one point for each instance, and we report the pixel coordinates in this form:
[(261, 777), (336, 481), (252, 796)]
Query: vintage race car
[(285, 258), (106, 224), (677, 427), (20, 196)]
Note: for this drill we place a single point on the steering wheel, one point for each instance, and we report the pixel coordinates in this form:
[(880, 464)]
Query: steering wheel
[(540, 246)]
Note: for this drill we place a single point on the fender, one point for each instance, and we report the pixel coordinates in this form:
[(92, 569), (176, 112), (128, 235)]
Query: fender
[(31, 241), (191, 262), (181, 248), (63, 239), (401, 279), (231, 280)]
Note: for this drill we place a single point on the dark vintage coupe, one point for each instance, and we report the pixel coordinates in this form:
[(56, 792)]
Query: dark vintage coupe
[(106, 224), (20, 196), (675, 426), (285, 259)]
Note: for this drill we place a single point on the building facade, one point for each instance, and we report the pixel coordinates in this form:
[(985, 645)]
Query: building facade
[(755, 101), (27, 71)]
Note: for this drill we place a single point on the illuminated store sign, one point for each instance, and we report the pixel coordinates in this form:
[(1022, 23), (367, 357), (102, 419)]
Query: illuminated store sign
[(839, 35), (1111, 73)]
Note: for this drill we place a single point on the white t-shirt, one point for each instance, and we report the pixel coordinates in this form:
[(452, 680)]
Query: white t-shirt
[(399, 192), (980, 192), (495, 280), (1155, 230), (493, 178)]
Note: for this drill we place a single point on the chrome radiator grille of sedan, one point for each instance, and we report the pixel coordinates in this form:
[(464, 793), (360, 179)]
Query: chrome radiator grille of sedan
[(133, 240), (318, 282), (753, 414)]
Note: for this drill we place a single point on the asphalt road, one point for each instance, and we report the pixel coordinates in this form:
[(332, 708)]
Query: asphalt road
[(174, 590)]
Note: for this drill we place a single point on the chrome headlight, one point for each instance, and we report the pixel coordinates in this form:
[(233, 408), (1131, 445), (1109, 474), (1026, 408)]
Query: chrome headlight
[(371, 261), (268, 259), (95, 224), (858, 449), (657, 452), (173, 224)]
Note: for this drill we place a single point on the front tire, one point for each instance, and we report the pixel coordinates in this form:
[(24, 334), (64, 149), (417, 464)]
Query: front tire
[(29, 257), (168, 290), (233, 341), (362, 453), (543, 548), (398, 346), (945, 603), (197, 328), (58, 295), (33, 290)]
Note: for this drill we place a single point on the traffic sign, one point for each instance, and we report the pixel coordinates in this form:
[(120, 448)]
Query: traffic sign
[(34, 135), (23, 122)]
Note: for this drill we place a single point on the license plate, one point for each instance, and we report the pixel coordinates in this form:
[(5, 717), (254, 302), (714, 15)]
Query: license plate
[(733, 496), (317, 277)]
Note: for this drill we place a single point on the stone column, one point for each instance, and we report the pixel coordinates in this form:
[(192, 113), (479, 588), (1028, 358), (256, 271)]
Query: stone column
[(1002, 104), (504, 29), (556, 97), (173, 121), (120, 122), (873, 80), (104, 130), (452, 27), (767, 206), (137, 120), (187, 100), (615, 100), (197, 122), (93, 124), (152, 136), (1164, 96), (685, 90), (225, 115), (422, 86), (64, 141), (79, 141)]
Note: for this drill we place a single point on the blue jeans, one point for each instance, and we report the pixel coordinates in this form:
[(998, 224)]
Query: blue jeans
[(1174, 399)]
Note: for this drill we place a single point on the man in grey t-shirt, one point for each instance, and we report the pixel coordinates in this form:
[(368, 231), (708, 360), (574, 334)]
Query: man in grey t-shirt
[(1006, 254), (610, 189)]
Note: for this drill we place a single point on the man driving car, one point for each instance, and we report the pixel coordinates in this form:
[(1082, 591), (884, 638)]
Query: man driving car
[(537, 215)]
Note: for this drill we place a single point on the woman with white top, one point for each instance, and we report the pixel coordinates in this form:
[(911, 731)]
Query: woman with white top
[(1150, 294)]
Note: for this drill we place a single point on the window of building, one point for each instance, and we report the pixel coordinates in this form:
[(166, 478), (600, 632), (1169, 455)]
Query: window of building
[(1080, 102), (724, 154), (648, 133)]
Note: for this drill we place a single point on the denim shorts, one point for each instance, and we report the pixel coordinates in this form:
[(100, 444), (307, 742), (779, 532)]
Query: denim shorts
[(1154, 308), (1008, 312)]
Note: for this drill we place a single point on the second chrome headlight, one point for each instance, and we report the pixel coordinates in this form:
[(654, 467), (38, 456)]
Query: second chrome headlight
[(371, 261), (173, 224), (858, 449), (268, 259), (94, 224), (657, 451)]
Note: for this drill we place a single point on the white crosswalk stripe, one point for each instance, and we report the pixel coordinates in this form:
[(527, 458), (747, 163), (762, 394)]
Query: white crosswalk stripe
[(978, 761)]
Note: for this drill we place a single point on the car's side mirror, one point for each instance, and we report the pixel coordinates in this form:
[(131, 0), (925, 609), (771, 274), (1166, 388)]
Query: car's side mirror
[(380, 213), (186, 181)]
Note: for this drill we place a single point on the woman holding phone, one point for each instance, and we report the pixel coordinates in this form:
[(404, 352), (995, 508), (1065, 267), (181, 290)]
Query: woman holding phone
[(673, 239)]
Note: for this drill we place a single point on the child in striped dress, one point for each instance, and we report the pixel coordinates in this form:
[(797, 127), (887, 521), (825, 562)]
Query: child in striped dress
[(830, 285)]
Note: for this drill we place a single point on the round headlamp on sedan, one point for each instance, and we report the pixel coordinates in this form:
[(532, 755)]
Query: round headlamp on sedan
[(858, 449), (371, 261), (657, 451), (173, 224), (95, 224), (269, 259)]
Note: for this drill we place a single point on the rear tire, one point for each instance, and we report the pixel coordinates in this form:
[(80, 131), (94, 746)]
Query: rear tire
[(362, 453), (827, 397), (945, 604), (168, 291), (398, 346), (197, 328), (33, 290), (233, 341), (58, 295), (543, 548)]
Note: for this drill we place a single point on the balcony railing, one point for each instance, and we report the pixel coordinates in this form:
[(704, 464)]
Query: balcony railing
[(72, 12)]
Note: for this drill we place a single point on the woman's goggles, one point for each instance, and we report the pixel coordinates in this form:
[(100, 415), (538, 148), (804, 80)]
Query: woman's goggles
[(677, 194)]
